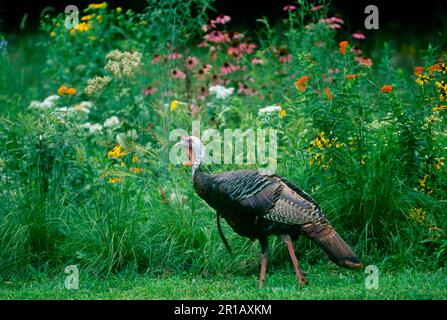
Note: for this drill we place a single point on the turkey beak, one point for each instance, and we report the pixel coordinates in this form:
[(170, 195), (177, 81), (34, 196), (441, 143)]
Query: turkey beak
[(185, 163)]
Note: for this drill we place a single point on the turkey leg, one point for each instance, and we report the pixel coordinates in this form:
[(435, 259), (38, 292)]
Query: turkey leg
[(298, 272), (264, 256)]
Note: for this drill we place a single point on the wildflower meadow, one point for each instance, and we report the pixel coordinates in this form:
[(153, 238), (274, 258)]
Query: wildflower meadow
[(92, 105)]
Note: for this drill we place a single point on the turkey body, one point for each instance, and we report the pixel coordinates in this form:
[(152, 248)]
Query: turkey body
[(258, 205)]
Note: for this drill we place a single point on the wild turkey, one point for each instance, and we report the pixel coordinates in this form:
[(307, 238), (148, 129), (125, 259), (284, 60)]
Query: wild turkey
[(258, 205)]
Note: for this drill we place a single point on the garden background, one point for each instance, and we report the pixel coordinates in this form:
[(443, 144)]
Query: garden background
[(85, 115)]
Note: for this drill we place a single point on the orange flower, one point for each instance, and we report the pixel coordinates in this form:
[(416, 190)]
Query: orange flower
[(386, 88), (62, 90), (350, 77), (135, 170), (434, 68), (71, 91), (328, 93), (301, 84), (343, 45), (418, 70), (115, 180)]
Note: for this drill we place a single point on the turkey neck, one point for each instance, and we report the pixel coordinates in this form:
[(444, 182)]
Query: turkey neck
[(199, 180)]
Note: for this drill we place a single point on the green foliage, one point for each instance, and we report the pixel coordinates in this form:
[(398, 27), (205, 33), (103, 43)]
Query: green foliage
[(84, 175)]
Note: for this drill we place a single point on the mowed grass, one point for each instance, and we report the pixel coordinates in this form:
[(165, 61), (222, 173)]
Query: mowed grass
[(326, 283)]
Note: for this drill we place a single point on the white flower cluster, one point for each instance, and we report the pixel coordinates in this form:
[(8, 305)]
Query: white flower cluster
[(48, 103), (268, 110), (96, 85), (64, 113), (92, 128), (124, 138), (123, 64), (221, 92), (110, 123)]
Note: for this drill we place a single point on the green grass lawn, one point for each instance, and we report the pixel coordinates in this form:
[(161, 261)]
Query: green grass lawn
[(325, 284)]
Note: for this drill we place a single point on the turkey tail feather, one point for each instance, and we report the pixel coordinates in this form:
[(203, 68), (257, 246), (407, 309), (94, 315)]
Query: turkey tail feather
[(332, 244), (222, 236)]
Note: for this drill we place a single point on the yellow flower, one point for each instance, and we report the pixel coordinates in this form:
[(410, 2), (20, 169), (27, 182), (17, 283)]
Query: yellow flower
[(119, 9), (439, 108), (52, 34), (116, 152), (439, 163), (174, 104), (134, 159), (442, 68), (86, 18), (97, 5), (72, 32), (115, 180), (92, 38), (423, 79), (418, 215), (441, 85), (362, 161), (282, 113), (84, 26)]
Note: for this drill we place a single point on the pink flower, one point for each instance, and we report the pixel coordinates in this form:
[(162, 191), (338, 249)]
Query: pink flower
[(204, 70), (358, 36), (284, 55), (331, 70), (247, 47), (245, 89), (205, 28), (257, 61), (174, 55), (367, 62), (316, 8), (207, 68), (233, 51), (357, 50), (337, 20), (156, 59), (215, 36), (334, 26), (333, 23), (191, 62), (178, 74), (228, 68), (202, 44), (285, 58), (234, 35), (212, 24), (222, 19), (149, 90), (289, 8)]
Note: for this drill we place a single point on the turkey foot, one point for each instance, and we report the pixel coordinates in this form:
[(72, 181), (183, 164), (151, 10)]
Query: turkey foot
[(299, 274)]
